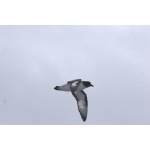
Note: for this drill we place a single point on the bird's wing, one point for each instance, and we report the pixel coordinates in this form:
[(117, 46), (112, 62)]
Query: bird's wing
[(74, 84), (72, 81), (82, 103)]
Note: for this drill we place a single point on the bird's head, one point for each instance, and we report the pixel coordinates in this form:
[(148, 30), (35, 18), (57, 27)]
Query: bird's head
[(87, 84)]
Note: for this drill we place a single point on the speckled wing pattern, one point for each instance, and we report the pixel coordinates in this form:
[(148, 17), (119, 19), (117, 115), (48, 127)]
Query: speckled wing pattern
[(81, 98), (82, 103)]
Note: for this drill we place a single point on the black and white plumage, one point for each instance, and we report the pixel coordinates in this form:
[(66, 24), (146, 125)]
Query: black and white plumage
[(76, 87)]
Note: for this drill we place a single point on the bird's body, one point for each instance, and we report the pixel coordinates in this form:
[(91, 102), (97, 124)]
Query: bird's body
[(76, 87), (67, 87)]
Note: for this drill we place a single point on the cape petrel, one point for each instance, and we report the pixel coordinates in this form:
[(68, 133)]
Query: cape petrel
[(76, 87)]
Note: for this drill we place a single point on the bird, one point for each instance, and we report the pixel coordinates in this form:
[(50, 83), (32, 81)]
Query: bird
[(76, 87)]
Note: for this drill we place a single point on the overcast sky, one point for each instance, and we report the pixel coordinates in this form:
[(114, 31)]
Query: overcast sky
[(34, 59)]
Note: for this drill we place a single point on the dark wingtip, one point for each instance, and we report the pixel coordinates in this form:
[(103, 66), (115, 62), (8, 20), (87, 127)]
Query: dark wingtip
[(84, 119), (56, 87)]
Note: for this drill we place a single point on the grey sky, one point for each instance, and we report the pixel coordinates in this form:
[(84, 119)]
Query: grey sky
[(34, 59)]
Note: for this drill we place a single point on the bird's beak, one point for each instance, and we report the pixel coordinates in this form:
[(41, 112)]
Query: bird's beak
[(92, 85)]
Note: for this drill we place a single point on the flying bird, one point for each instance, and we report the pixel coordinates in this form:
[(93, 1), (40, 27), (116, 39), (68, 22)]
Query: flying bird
[(76, 87)]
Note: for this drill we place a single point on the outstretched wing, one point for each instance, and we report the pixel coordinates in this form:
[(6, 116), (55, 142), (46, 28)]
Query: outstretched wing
[(79, 80), (82, 103), (74, 84)]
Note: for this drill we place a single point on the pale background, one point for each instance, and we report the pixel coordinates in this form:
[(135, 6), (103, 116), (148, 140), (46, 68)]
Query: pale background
[(34, 59)]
